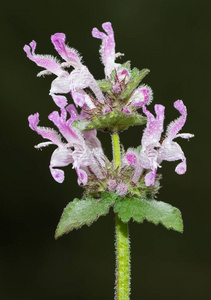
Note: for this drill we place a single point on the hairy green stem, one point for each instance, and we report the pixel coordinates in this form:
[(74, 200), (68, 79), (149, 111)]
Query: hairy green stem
[(116, 150), (122, 261), (122, 241)]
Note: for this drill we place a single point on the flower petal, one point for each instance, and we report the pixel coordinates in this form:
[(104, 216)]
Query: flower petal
[(58, 175), (73, 113), (69, 54), (46, 133), (46, 61), (82, 176), (81, 79), (175, 126), (150, 177), (72, 135), (61, 101), (138, 171), (131, 157), (181, 168), (91, 139), (61, 157), (170, 151), (79, 97), (107, 49), (154, 128), (60, 85), (142, 95)]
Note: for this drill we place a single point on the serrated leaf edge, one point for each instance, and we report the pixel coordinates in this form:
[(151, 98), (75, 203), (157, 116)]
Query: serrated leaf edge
[(150, 221), (82, 223)]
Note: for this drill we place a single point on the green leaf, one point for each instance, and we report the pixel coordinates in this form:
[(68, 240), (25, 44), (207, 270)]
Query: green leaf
[(114, 121), (80, 212), (152, 210), (136, 78)]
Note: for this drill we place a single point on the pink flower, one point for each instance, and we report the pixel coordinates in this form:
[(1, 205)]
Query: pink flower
[(70, 55), (107, 49), (77, 80), (141, 96), (148, 155), (131, 157), (121, 189), (50, 63), (84, 151), (153, 152), (170, 150), (80, 83)]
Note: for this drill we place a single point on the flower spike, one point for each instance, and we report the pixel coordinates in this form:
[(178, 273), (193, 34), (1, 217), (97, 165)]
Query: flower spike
[(110, 105)]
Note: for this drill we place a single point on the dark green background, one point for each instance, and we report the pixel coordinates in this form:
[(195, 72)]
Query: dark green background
[(172, 39)]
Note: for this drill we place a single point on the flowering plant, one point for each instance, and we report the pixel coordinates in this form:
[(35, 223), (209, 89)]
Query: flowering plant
[(130, 182)]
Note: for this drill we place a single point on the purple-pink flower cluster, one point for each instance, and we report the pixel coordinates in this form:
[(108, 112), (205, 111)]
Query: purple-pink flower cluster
[(153, 150), (83, 149)]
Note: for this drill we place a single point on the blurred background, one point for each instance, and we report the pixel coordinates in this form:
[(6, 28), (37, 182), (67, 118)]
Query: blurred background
[(172, 39)]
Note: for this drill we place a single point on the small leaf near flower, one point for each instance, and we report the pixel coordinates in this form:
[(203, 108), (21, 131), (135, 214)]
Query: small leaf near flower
[(84, 212), (136, 77), (105, 85), (152, 210), (114, 121)]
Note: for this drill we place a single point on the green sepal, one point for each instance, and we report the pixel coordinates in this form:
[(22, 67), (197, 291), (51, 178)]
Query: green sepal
[(134, 73), (82, 125), (139, 149), (112, 75), (114, 121), (105, 85), (136, 77), (140, 209), (127, 65), (85, 211)]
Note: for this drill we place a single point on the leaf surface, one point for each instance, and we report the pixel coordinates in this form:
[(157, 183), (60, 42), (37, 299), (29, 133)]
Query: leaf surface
[(152, 210), (85, 211), (114, 121)]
